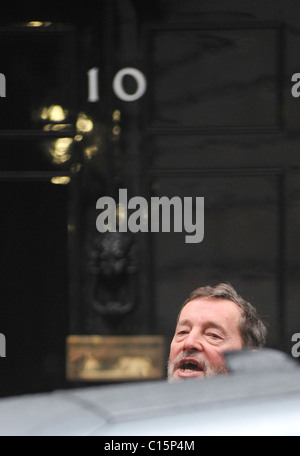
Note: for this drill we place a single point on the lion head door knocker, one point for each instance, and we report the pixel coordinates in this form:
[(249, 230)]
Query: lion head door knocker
[(112, 271)]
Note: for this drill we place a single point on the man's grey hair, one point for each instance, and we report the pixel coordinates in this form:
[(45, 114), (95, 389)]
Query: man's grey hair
[(253, 330)]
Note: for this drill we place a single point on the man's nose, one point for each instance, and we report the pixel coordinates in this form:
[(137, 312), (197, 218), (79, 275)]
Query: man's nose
[(193, 341)]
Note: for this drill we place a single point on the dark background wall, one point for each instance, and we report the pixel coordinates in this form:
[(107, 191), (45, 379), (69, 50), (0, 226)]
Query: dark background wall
[(217, 120)]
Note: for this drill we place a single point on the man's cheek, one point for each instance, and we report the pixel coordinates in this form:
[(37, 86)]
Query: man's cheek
[(174, 350)]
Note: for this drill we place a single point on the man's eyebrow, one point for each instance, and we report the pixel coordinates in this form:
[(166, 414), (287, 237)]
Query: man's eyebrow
[(207, 324)]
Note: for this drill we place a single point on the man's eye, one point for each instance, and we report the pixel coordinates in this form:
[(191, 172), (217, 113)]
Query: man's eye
[(214, 335), (183, 331)]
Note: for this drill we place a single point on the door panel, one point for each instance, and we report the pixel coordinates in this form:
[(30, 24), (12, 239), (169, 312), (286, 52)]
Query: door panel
[(215, 77), (38, 176), (34, 309)]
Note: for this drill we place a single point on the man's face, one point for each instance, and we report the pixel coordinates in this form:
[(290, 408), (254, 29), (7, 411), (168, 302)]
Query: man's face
[(206, 328)]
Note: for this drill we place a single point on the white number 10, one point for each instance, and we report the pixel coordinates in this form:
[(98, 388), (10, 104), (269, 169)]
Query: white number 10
[(117, 84)]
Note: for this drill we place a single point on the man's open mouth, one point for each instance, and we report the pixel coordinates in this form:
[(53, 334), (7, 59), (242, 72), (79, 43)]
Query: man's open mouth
[(190, 366)]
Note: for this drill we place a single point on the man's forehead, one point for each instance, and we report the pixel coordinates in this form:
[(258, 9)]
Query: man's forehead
[(215, 307)]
